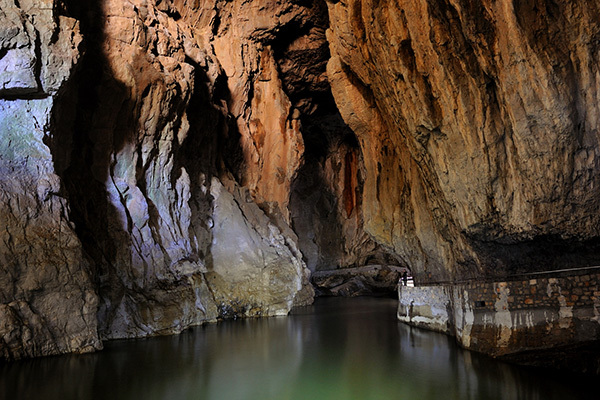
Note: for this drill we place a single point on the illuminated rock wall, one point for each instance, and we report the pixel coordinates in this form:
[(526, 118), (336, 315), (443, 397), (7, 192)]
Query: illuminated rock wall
[(171, 162), (48, 301), (138, 142), (478, 123), (176, 124)]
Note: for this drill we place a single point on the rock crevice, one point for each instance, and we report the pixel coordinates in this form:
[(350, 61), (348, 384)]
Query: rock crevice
[(487, 124), (165, 163)]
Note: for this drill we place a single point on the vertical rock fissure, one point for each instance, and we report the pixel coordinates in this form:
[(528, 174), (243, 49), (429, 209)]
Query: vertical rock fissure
[(327, 190), (167, 163)]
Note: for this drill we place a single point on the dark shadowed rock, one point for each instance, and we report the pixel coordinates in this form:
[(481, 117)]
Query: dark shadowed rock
[(359, 281), (165, 163)]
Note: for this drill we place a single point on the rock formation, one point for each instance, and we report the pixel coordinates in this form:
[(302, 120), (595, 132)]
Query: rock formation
[(479, 126), (146, 180), (171, 162), (48, 301), (371, 280), (129, 155)]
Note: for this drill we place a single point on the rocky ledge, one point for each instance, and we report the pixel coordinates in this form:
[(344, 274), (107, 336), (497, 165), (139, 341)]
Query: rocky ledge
[(165, 163), (381, 280)]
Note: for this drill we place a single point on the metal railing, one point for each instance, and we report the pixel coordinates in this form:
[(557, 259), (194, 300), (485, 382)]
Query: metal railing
[(514, 277)]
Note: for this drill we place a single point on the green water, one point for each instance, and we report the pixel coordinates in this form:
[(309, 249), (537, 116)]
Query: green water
[(336, 349)]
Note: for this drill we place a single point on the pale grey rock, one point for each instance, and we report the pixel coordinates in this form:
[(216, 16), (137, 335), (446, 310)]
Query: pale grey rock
[(40, 47), (48, 302), (17, 72), (17, 46), (253, 272)]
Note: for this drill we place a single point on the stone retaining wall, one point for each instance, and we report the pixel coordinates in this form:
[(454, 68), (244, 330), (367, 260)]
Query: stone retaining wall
[(502, 318)]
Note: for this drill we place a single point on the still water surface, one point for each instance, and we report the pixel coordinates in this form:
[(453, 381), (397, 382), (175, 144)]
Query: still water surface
[(336, 349)]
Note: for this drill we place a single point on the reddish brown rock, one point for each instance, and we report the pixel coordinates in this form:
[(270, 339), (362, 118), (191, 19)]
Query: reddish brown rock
[(480, 122), (145, 134), (327, 200), (141, 141), (172, 247)]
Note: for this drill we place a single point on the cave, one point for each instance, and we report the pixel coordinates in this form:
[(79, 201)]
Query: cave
[(169, 165)]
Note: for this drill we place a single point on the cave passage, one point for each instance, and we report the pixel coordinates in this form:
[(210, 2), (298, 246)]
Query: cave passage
[(335, 349), (168, 164)]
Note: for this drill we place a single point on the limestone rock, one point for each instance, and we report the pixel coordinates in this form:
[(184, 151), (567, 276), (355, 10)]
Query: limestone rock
[(128, 184), (39, 47), (360, 281), (479, 126), (122, 155), (166, 162), (270, 140), (48, 302), (159, 221), (253, 271), (327, 200)]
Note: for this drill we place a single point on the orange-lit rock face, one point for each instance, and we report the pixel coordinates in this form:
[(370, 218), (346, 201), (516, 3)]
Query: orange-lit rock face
[(270, 138), (159, 148), (175, 77), (479, 124), (274, 147), (192, 152), (144, 136)]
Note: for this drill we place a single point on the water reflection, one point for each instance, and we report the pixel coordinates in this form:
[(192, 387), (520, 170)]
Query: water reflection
[(337, 349)]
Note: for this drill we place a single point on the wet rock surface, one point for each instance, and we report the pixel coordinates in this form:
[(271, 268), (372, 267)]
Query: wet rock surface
[(165, 163), (382, 280), (479, 127)]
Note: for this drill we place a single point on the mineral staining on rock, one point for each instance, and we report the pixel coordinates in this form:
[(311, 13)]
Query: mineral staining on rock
[(171, 162), (123, 219), (482, 123)]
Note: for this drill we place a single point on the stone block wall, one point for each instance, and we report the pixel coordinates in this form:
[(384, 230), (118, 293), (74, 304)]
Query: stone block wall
[(527, 312)]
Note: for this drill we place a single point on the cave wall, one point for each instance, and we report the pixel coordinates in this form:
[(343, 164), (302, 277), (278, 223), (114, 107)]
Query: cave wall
[(148, 171), (479, 126), (48, 301), (146, 185), (326, 199), (170, 162)]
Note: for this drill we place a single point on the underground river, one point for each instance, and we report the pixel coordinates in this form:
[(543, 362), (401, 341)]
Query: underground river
[(335, 349)]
